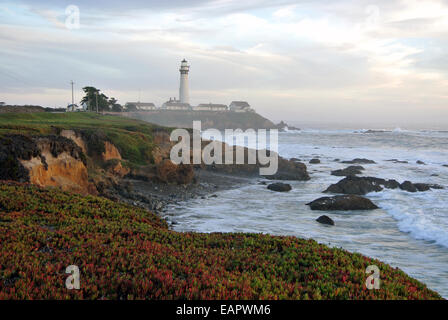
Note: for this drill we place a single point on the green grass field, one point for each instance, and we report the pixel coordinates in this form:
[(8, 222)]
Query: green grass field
[(133, 138)]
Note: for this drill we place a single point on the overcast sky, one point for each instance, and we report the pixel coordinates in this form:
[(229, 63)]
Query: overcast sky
[(347, 61)]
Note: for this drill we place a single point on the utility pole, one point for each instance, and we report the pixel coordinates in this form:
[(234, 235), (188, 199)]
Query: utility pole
[(96, 96), (73, 97)]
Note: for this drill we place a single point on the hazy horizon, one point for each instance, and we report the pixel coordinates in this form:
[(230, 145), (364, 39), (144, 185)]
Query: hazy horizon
[(347, 63)]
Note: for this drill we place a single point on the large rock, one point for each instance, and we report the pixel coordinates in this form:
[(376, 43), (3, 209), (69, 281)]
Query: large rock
[(283, 126), (364, 185), (325, 220), (356, 185), (359, 161), (345, 202), (290, 170), (169, 172), (287, 169), (422, 186), (279, 187), (314, 161), (408, 186), (349, 171), (414, 187)]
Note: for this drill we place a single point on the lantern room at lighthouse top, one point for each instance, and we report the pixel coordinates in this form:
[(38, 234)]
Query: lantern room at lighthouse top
[(184, 67)]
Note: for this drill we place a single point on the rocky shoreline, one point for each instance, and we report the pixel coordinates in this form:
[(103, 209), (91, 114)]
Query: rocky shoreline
[(348, 194), (156, 196)]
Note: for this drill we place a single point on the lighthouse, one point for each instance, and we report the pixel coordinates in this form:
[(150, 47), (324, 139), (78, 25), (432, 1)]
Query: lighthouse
[(184, 95)]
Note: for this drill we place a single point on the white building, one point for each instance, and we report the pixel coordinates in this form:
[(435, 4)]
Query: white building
[(240, 106), (174, 104), (76, 108), (184, 89), (210, 107), (142, 106)]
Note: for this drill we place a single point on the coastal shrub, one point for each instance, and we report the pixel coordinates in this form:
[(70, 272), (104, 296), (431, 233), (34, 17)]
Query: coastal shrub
[(125, 252)]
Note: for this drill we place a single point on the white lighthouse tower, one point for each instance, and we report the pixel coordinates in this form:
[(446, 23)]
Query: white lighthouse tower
[(184, 95)]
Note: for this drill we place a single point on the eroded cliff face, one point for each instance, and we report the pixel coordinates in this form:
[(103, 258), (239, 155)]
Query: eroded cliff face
[(83, 161), (72, 135), (59, 163), (45, 161), (110, 152), (62, 171), (162, 148)]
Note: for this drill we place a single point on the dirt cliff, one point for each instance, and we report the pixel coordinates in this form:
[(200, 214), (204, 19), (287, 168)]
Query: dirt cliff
[(45, 161), (110, 152)]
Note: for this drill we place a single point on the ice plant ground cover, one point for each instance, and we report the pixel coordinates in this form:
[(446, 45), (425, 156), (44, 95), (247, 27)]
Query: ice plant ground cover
[(125, 252)]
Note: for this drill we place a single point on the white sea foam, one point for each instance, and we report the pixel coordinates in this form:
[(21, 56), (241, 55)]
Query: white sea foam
[(423, 215)]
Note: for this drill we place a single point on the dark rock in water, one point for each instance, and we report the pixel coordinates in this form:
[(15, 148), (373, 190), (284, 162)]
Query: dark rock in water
[(325, 220), (314, 161), (359, 161), (434, 175), (361, 185), (414, 187), (422, 186), (345, 202), (356, 185), (373, 131), (280, 187), (283, 126), (295, 159), (445, 165), (213, 196), (426, 186), (349, 171), (397, 161), (391, 184), (337, 160), (408, 186), (290, 170), (263, 183), (420, 162)]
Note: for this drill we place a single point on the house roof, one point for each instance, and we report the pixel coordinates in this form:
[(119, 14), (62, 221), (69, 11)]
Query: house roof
[(240, 104), (212, 105), (176, 104), (142, 104)]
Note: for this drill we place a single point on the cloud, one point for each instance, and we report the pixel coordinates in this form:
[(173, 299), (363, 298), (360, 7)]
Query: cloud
[(336, 59)]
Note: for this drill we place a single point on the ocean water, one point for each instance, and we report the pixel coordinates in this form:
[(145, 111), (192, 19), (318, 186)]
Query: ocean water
[(409, 231)]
